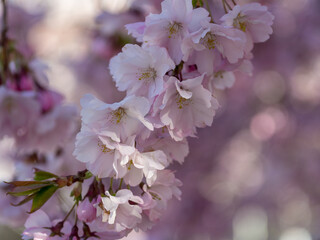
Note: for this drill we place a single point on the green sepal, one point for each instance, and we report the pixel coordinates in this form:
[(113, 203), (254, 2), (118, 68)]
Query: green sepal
[(197, 3)]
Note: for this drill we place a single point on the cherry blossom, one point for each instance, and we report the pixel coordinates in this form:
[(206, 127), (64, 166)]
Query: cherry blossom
[(102, 152), (124, 118), (17, 112), (147, 164), (127, 146), (253, 19), (122, 209), (187, 105), (172, 25), (140, 71)]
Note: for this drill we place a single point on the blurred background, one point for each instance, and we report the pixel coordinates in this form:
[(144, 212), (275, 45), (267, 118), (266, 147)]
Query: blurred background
[(254, 175)]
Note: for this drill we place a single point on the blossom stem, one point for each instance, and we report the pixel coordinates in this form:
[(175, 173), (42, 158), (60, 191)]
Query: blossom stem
[(111, 185), (120, 185), (224, 6), (4, 39), (209, 10), (234, 2), (71, 210), (227, 4)]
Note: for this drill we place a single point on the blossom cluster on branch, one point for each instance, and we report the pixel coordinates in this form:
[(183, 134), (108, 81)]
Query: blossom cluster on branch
[(128, 146)]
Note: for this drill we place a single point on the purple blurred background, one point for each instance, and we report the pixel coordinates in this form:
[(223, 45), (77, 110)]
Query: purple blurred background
[(254, 174)]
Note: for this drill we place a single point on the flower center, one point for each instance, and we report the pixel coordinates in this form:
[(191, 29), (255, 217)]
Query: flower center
[(117, 115), (174, 28), (181, 102), (240, 23), (155, 196), (130, 163), (103, 147), (219, 74), (209, 40), (148, 74)]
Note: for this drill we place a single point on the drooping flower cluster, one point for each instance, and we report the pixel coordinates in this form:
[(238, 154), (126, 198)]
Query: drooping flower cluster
[(170, 82), (35, 125), (31, 112)]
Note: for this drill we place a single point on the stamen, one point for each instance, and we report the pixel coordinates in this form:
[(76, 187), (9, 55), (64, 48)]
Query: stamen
[(219, 74), (130, 164), (209, 40), (155, 196), (148, 74), (240, 23), (182, 102), (174, 28), (117, 115), (103, 147)]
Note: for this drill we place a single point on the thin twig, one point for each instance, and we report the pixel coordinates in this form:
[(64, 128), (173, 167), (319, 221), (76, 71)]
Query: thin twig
[(227, 4), (234, 2), (224, 6), (4, 38)]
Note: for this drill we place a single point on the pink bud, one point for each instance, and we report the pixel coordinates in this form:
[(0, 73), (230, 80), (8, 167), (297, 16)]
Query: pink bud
[(26, 83), (86, 211), (12, 85), (49, 99)]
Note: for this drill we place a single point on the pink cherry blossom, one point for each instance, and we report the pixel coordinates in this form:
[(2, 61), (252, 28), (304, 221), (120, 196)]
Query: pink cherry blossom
[(187, 105), (124, 118), (50, 131), (136, 30), (18, 111), (34, 226), (172, 25), (164, 188), (122, 209), (222, 80), (253, 19), (102, 152), (37, 224), (160, 139), (230, 42), (140, 70), (147, 164)]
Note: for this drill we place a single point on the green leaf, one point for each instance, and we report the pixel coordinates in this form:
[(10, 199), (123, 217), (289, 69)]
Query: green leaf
[(42, 197), (24, 193), (26, 190), (27, 199), (40, 175), (26, 183)]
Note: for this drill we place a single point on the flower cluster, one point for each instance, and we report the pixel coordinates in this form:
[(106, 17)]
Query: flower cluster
[(170, 81), (35, 125), (31, 112)]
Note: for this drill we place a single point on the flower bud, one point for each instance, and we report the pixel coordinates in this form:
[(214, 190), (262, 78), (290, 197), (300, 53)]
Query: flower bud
[(86, 211)]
